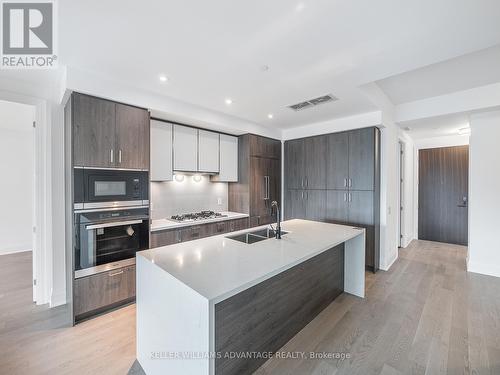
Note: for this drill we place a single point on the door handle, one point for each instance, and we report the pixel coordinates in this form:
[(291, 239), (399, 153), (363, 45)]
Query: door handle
[(350, 182), (350, 197), (119, 156), (111, 156), (307, 182), (113, 224), (345, 197), (345, 182)]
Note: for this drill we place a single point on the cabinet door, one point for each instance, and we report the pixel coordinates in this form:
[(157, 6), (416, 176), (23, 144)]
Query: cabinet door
[(362, 159), (337, 161), (315, 205), (103, 289), (337, 207), (294, 164), (93, 132), (361, 207), (208, 151), (295, 206), (259, 199), (274, 180), (165, 237), (265, 147), (132, 137), (185, 149), (315, 162), (228, 169), (161, 151)]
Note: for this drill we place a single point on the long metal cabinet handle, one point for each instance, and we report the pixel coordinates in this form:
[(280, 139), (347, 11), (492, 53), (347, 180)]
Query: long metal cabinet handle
[(112, 224), (345, 182), (350, 197), (120, 156), (350, 182), (111, 156), (345, 197)]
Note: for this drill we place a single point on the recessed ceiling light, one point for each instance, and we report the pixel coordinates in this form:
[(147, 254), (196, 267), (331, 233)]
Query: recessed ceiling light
[(163, 78), (270, 116), (264, 68), (229, 101), (299, 7)]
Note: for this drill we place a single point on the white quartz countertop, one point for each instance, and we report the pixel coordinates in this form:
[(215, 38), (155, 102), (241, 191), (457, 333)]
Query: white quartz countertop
[(163, 224), (218, 267)]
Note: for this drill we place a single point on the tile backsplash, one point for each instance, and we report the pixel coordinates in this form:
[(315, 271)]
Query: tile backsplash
[(177, 197)]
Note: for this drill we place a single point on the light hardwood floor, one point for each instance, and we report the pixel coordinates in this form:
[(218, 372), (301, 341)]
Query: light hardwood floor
[(424, 316)]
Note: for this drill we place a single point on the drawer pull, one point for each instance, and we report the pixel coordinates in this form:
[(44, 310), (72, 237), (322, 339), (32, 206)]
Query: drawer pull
[(116, 273)]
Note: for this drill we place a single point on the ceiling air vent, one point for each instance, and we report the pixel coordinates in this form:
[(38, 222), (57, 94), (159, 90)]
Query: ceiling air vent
[(313, 102)]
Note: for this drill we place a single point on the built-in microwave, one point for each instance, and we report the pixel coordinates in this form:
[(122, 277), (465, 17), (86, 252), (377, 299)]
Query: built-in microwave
[(106, 188)]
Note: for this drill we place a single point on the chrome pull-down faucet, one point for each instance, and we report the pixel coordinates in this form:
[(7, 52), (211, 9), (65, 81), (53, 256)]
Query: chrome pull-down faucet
[(278, 220)]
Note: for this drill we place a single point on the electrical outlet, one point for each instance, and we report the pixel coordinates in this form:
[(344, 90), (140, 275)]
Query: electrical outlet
[(219, 201)]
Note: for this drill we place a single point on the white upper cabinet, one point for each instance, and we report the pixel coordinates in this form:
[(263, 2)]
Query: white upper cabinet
[(228, 171), (208, 151), (161, 151), (185, 149)]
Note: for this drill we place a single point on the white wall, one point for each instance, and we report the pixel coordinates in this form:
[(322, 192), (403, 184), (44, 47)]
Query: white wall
[(17, 171), (409, 186), (484, 187), (180, 197)]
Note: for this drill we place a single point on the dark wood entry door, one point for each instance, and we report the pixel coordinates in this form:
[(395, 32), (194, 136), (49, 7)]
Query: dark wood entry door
[(443, 194)]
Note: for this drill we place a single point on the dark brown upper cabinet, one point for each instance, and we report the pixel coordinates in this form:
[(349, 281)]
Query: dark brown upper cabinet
[(264, 147), (306, 163), (93, 131), (132, 137), (361, 159), (108, 134), (337, 161)]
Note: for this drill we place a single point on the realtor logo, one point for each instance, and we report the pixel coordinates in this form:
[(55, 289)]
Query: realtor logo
[(28, 35)]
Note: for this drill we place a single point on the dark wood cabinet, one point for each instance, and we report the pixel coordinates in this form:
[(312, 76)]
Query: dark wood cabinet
[(294, 164), (108, 134), (194, 232), (93, 131), (335, 178), (103, 290), (132, 137), (315, 163), (264, 147), (337, 161), (306, 163), (361, 159), (259, 180)]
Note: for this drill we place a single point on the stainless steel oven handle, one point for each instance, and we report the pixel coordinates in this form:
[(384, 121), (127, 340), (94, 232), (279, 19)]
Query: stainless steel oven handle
[(113, 224)]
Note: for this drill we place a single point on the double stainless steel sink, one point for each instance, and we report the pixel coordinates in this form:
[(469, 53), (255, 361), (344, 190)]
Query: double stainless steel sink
[(255, 236)]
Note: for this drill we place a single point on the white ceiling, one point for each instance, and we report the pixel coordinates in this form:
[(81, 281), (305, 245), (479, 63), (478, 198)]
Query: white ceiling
[(437, 126), (211, 50), (461, 73)]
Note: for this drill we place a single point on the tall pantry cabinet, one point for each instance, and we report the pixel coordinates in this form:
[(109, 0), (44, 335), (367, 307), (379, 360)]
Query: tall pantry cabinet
[(336, 178)]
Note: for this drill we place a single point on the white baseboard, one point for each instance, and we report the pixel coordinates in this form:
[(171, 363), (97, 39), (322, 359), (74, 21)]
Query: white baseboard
[(483, 268), (19, 249), (388, 266), (57, 299)]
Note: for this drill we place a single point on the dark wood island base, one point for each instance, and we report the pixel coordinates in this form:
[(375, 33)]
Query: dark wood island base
[(266, 316)]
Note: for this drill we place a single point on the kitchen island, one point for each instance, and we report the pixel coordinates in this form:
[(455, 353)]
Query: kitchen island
[(203, 303)]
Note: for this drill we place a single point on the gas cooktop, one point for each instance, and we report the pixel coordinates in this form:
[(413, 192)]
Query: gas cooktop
[(203, 215)]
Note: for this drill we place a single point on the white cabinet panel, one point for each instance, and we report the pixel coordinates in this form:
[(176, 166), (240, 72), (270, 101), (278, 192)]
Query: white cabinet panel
[(228, 159), (161, 151), (185, 149), (208, 151)]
